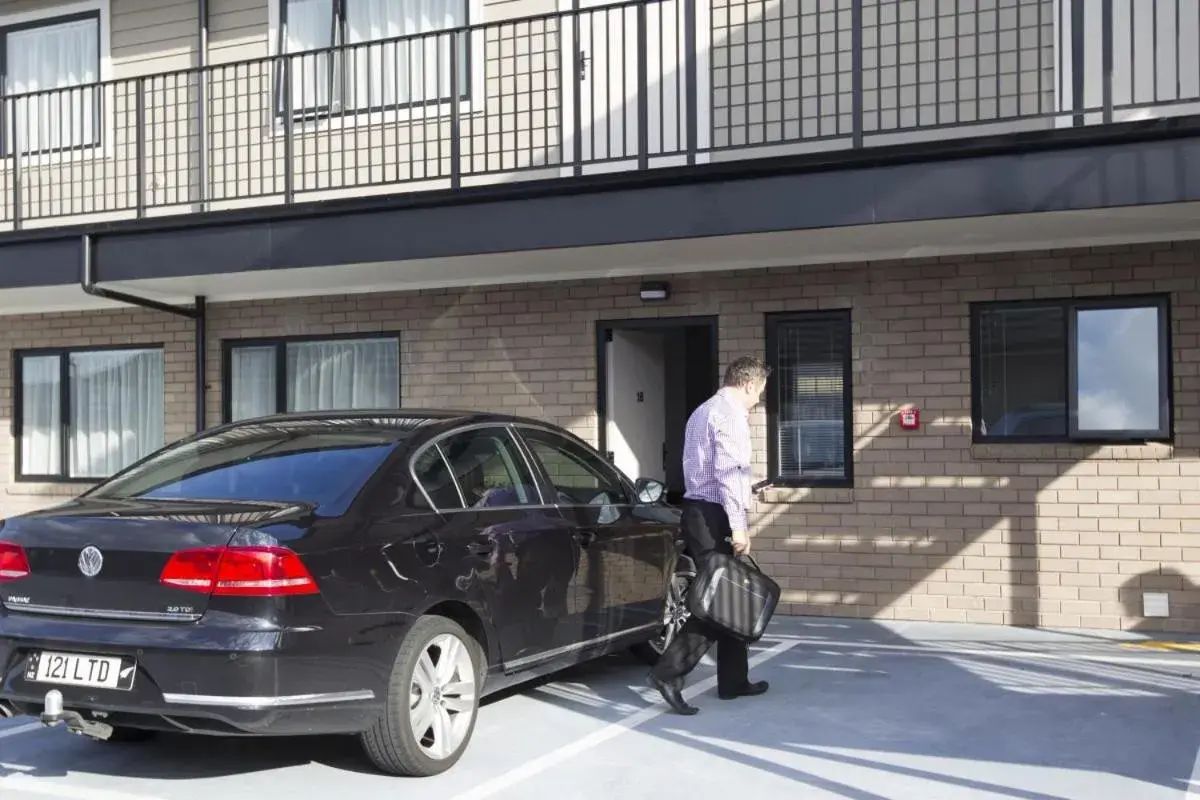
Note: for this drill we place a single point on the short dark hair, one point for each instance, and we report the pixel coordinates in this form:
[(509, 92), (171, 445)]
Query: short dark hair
[(745, 369)]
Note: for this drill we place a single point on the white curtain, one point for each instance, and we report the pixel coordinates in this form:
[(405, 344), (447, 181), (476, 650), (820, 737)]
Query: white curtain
[(53, 57), (412, 71), (350, 374), (117, 414), (309, 27), (252, 382), (41, 420)]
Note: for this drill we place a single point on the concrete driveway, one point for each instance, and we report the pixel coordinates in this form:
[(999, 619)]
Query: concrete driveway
[(857, 711)]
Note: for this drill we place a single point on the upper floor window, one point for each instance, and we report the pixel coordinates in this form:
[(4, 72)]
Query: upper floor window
[(51, 71), (266, 376), (1087, 369), (89, 413), (374, 70), (809, 420)]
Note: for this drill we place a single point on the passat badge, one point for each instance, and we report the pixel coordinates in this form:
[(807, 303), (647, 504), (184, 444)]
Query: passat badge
[(91, 561)]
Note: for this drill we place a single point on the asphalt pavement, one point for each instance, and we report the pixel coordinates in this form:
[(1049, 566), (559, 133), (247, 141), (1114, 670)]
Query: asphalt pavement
[(857, 710)]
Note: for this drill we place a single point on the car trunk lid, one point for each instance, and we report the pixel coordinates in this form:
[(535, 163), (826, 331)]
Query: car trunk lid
[(105, 558)]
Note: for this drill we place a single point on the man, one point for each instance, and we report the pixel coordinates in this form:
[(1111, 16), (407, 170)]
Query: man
[(716, 472)]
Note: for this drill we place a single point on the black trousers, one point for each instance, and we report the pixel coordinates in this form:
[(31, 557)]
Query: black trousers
[(705, 527)]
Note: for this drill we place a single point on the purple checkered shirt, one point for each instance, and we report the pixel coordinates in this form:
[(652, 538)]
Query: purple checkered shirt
[(716, 457)]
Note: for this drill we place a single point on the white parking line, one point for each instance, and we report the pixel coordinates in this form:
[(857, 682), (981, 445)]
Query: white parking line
[(19, 729), (936, 649), (1193, 787), (610, 731), (28, 784)]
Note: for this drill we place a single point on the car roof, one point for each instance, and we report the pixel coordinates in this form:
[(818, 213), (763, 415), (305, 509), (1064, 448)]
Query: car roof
[(401, 420)]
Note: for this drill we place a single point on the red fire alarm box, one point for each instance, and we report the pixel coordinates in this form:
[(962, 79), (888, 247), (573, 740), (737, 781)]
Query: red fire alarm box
[(910, 418)]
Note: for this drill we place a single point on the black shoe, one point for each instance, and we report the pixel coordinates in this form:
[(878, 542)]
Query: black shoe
[(671, 692), (747, 690)]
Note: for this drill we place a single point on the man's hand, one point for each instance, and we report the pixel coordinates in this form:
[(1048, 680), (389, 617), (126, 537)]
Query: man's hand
[(741, 542)]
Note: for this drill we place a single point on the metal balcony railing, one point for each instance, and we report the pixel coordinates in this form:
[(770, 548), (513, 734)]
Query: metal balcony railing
[(628, 86)]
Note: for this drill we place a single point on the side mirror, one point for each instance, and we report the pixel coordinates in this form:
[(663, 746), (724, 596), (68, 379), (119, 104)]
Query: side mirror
[(649, 490)]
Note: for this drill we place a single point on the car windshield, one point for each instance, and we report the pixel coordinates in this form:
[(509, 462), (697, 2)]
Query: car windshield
[(314, 464)]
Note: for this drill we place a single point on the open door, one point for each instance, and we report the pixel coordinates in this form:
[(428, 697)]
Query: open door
[(635, 430), (602, 83)]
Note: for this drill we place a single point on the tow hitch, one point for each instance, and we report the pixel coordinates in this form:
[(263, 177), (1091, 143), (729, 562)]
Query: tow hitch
[(53, 713)]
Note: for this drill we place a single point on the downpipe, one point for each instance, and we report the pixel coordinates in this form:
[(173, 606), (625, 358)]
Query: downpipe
[(53, 713)]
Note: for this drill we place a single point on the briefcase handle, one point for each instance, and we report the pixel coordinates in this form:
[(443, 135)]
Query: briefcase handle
[(753, 561)]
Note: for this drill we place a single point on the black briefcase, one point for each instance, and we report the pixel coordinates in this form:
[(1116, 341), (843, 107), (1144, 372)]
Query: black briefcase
[(734, 596)]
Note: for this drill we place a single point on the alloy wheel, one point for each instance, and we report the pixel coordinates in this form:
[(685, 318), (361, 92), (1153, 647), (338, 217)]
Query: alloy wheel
[(675, 614), (442, 696)]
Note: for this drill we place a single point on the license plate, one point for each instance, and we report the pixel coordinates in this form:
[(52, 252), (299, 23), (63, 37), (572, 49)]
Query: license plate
[(72, 669)]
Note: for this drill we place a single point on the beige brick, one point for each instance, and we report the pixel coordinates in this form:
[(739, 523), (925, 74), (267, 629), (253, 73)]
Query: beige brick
[(935, 529)]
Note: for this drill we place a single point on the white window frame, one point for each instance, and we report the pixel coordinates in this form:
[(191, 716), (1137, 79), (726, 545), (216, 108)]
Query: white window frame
[(351, 119), (107, 127)]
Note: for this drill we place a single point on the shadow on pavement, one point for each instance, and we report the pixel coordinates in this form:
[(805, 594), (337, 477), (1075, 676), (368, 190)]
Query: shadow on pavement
[(848, 699)]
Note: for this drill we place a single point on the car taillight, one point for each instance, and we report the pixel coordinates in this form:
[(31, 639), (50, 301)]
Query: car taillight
[(13, 563), (239, 571)]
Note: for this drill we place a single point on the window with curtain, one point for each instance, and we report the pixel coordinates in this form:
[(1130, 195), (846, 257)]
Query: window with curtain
[(87, 414), (63, 55), (370, 69), (809, 423), (338, 374)]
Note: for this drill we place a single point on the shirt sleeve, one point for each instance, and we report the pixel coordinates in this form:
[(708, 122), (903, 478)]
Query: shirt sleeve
[(728, 471)]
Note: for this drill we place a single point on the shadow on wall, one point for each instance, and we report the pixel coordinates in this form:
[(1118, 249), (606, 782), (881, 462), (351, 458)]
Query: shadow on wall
[(1183, 600), (936, 527)]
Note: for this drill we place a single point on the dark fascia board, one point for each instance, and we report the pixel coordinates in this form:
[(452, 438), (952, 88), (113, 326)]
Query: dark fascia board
[(942, 150), (49, 261)]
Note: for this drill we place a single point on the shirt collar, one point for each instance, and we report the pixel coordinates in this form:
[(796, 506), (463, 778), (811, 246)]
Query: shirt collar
[(726, 395)]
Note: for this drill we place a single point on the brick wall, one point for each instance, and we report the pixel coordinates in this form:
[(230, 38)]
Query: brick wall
[(935, 528), (92, 329)]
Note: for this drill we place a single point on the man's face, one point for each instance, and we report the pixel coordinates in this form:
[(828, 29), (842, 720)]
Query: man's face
[(753, 392)]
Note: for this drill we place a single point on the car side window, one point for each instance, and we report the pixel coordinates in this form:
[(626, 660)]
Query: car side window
[(433, 474), (489, 469), (579, 476)]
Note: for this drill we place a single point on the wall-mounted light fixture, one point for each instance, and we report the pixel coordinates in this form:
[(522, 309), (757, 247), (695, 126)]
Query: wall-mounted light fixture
[(654, 291)]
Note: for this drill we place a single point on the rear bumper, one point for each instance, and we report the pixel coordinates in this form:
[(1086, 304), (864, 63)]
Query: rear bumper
[(216, 676)]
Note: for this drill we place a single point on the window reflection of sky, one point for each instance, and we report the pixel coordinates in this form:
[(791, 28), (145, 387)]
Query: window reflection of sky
[(1118, 369)]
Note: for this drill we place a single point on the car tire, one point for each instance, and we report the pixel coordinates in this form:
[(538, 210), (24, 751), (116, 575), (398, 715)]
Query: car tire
[(418, 697), (675, 614)]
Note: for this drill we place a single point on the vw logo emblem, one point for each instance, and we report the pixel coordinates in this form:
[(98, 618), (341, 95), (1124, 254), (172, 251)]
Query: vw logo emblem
[(91, 561)]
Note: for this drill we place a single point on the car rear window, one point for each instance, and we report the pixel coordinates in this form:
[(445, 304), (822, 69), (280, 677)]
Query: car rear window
[(325, 468)]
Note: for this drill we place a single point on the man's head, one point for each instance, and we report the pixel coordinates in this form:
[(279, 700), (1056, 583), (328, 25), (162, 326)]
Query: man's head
[(746, 378)]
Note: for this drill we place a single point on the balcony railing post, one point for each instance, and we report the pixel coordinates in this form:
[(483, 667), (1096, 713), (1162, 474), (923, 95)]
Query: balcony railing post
[(15, 146), (1106, 43), (139, 144), (692, 123), (577, 72), (643, 89), (1078, 54), (856, 73), (455, 111), (289, 131)]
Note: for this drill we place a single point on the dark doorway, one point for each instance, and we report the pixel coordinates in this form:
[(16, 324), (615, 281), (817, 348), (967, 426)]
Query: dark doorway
[(651, 375)]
